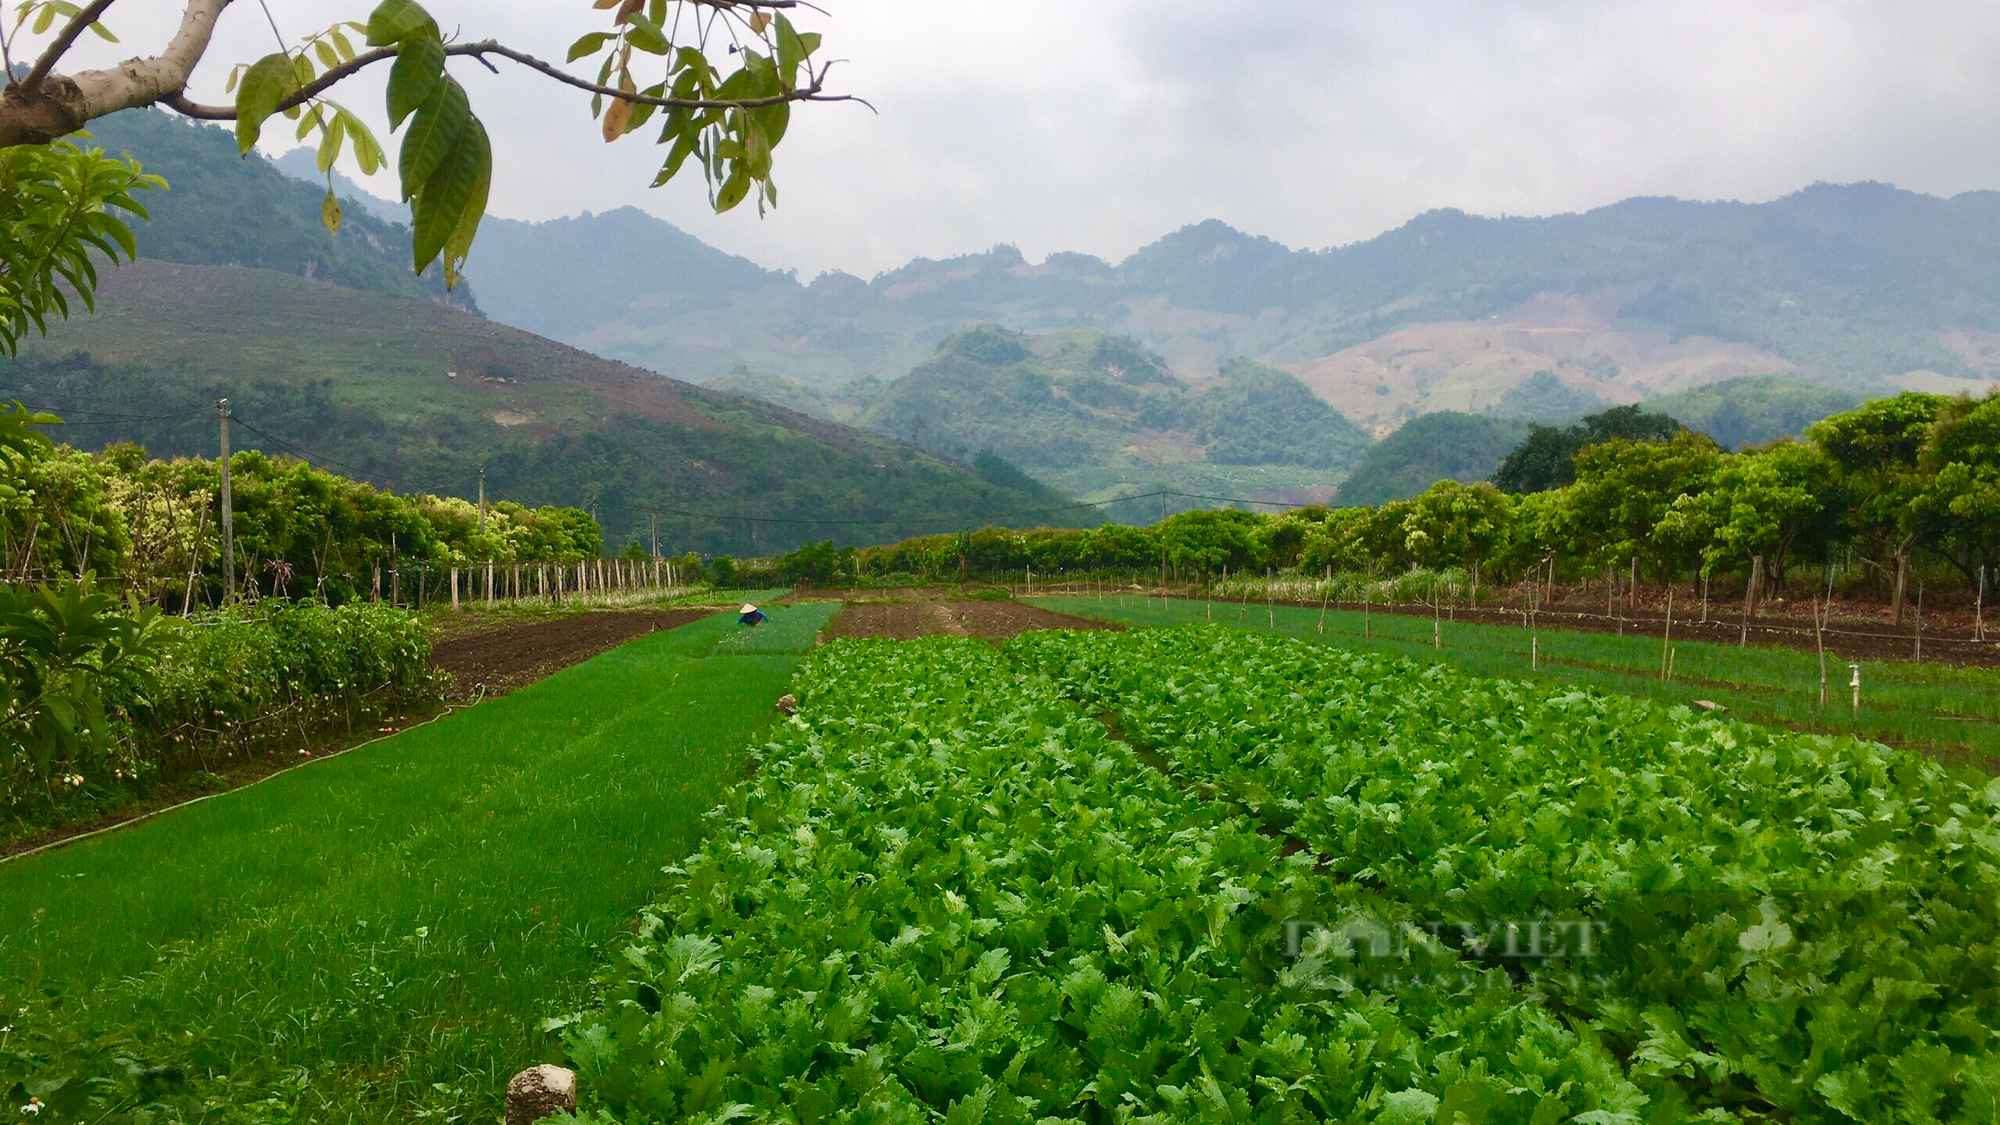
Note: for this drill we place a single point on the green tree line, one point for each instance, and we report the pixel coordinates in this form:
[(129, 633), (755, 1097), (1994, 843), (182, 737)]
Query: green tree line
[(1895, 485), (153, 526)]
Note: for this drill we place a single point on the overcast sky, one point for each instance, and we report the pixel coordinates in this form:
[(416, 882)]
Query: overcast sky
[(1100, 126)]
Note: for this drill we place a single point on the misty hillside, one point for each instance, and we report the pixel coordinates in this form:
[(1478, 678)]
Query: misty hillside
[(1863, 287)]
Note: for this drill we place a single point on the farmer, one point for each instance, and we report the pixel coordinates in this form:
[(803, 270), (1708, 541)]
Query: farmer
[(751, 615)]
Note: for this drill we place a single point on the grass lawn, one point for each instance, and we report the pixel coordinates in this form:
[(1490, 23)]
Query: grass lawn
[(377, 937), (1952, 712)]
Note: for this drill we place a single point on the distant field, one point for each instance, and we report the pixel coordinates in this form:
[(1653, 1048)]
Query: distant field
[(374, 938), (1949, 711)]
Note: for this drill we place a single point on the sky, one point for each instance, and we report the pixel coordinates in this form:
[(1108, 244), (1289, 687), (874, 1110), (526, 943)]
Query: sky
[(1098, 127)]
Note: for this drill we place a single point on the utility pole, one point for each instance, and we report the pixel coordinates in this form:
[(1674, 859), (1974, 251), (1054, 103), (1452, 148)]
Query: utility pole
[(482, 499), (228, 523), (656, 535)]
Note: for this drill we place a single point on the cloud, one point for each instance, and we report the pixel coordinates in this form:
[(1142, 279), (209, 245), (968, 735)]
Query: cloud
[(1098, 127)]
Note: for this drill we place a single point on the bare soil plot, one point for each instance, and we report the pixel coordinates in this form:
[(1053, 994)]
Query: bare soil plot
[(905, 620), (509, 656)]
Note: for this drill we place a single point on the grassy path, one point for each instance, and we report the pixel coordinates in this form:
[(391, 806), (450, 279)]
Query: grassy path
[(377, 937), (1952, 712)]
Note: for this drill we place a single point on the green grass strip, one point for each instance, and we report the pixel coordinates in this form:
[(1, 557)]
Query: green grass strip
[(1952, 712), (374, 937)]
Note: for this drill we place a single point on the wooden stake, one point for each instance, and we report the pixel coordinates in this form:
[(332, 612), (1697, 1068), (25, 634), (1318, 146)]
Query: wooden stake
[(1666, 638), (1819, 641), (1920, 618), (1750, 598), (1324, 597)]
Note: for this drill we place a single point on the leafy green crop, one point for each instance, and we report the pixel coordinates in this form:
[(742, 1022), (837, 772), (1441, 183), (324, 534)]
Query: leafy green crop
[(1797, 927), (950, 895)]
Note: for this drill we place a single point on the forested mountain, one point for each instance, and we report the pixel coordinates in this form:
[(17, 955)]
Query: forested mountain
[(413, 395), (1447, 445), (221, 209), (1100, 416), (1755, 409)]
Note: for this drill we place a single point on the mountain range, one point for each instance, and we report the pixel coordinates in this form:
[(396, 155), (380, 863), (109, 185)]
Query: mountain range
[(1210, 362), (1863, 287)]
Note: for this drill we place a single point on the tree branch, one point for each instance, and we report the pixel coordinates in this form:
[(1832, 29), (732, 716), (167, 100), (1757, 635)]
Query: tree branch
[(60, 105), (65, 39), (814, 92)]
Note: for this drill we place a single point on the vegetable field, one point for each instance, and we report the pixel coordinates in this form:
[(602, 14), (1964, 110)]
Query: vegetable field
[(1197, 874), (1952, 712), (951, 895)]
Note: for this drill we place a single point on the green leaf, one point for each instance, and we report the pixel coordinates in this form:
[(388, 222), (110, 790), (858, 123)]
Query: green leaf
[(433, 135), (329, 145), (367, 150), (414, 76), (734, 190), (646, 35), (440, 208), (791, 52), (589, 44), (396, 20), (266, 84)]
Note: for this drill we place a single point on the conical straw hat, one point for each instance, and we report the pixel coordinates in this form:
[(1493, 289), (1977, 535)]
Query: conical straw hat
[(747, 608)]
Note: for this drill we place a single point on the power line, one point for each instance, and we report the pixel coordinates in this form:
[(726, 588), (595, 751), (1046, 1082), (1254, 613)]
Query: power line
[(103, 418), (300, 451)]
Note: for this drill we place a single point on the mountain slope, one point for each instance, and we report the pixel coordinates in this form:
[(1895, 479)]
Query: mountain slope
[(1444, 446), (413, 395), (1100, 416), (222, 209), (1753, 410)]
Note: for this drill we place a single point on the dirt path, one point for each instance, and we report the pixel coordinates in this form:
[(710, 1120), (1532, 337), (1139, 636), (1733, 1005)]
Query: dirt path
[(924, 617), (511, 655)]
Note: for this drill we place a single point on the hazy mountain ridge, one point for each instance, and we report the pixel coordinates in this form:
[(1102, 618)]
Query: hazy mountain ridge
[(1844, 285)]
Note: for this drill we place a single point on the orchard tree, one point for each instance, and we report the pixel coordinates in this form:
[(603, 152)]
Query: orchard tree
[(1875, 451), (1624, 488), (715, 79), (1456, 524), (1957, 507), (1769, 504)]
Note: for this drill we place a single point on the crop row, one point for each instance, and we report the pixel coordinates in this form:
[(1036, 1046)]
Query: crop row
[(1786, 925), (950, 895)]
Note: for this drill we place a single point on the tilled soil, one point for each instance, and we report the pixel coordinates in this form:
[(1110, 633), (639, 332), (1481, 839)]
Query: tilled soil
[(514, 655), (904, 620)]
